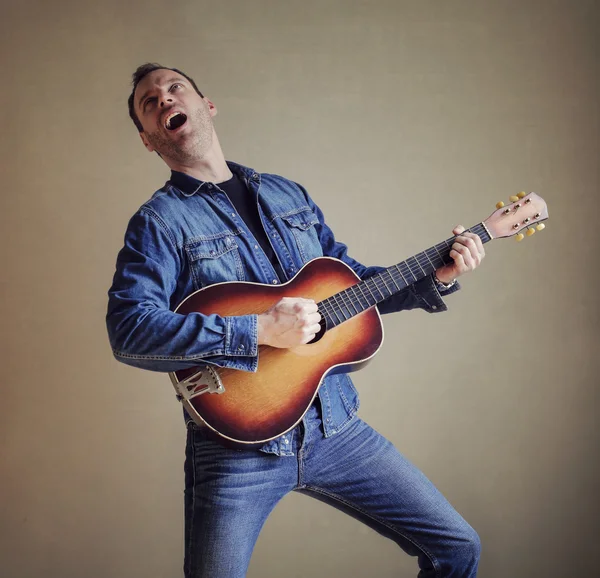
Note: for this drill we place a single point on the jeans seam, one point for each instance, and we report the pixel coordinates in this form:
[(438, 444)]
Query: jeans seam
[(188, 570), (394, 529), (300, 468)]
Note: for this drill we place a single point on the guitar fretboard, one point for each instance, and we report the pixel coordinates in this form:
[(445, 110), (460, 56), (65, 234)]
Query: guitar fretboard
[(369, 292)]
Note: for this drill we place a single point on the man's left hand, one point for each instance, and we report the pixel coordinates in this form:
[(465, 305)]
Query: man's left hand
[(467, 253)]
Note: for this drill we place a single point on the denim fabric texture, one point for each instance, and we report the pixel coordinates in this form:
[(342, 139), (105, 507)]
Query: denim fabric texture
[(230, 493), (189, 236)]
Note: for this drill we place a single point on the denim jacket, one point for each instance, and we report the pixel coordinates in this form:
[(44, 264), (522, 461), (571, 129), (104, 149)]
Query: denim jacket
[(188, 237)]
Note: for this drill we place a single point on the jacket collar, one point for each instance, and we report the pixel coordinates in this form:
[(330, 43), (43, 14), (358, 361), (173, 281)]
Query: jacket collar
[(189, 185)]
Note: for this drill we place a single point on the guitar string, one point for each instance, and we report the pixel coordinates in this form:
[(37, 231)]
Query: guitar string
[(378, 282)]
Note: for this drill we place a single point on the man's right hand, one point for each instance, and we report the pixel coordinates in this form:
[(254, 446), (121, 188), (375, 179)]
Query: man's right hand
[(290, 322)]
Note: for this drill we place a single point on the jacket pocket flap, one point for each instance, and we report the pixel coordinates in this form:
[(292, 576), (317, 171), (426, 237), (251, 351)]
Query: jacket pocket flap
[(210, 248), (302, 220)]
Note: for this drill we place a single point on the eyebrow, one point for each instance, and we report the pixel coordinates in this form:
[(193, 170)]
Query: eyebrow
[(174, 79)]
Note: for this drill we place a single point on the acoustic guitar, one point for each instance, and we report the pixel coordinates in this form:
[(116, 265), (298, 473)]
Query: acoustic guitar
[(250, 409)]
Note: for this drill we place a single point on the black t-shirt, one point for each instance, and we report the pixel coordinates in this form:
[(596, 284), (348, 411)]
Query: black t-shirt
[(245, 202)]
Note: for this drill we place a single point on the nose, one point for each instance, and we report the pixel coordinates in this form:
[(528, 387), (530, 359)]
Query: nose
[(163, 101)]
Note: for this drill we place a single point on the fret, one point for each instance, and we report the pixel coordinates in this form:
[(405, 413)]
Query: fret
[(333, 308), (340, 308), (389, 290), (347, 298), (407, 268), (410, 265), (432, 260), (370, 280), (353, 289), (406, 283), (393, 280), (369, 292), (423, 265), (358, 287), (439, 254)]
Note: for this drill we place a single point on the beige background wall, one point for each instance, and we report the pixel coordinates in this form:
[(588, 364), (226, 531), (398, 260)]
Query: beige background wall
[(402, 119)]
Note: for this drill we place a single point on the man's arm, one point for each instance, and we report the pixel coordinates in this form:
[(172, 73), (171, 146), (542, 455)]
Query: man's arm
[(423, 294), (142, 330)]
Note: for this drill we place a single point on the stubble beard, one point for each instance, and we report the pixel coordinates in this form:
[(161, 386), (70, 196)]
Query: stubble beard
[(187, 150)]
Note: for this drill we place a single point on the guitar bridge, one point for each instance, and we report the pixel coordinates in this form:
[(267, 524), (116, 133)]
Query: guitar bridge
[(205, 380)]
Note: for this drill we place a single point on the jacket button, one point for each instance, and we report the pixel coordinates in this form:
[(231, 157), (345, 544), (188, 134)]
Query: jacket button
[(274, 281)]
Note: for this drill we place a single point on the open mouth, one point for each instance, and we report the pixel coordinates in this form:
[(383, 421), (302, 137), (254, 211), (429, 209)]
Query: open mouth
[(175, 120)]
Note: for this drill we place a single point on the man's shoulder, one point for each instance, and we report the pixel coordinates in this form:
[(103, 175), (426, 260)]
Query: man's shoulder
[(279, 180), (283, 195), (164, 203)]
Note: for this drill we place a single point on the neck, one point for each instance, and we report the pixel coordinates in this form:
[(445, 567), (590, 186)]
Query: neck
[(369, 292), (211, 167)]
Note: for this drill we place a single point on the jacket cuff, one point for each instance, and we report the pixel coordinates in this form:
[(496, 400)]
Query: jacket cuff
[(241, 335), (430, 296)]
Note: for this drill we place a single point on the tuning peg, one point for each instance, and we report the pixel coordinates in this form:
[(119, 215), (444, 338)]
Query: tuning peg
[(521, 194), (540, 226), (499, 204), (513, 198), (530, 232), (520, 237)]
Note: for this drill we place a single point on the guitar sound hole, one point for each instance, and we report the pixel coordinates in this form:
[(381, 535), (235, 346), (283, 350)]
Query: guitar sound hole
[(319, 335)]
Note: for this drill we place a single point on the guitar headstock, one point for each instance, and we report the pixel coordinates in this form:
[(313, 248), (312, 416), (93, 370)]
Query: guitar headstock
[(524, 212)]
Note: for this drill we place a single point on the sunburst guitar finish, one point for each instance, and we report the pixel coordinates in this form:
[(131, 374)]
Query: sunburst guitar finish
[(257, 407)]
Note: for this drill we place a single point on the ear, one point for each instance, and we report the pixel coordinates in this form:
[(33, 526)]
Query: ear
[(145, 141), (212, 109)]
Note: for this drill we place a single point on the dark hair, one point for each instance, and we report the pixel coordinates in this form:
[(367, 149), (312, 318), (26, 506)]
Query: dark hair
[(136, 78)]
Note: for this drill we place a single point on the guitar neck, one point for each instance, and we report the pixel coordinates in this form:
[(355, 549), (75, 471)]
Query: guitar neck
[(381, 286)]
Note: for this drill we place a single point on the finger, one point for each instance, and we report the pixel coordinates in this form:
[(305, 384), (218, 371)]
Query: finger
[(296, 300), (478, 243), (469, 243), (310, 334), (464, 259), (308, 320), (475, 247), (305, 307), (313, 318), (458, 229), (459, 261)]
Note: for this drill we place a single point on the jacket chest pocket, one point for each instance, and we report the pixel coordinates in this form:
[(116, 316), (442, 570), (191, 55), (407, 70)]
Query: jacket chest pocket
[(214, 260), (301, 227)]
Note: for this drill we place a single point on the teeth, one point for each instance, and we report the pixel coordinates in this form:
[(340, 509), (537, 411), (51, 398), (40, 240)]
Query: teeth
[(168, 121)]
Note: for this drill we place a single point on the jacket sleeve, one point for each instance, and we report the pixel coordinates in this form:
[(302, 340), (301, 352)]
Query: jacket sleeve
[(423, 294), (142, 329)]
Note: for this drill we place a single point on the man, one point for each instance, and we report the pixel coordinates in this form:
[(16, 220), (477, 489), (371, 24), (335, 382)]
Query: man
[(217, 221)]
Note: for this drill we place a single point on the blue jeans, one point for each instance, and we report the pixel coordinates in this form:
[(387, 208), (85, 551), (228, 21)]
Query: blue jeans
[(230, 493)]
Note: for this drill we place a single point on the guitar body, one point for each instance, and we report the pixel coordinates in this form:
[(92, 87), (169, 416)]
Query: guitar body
[(258, 407)]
